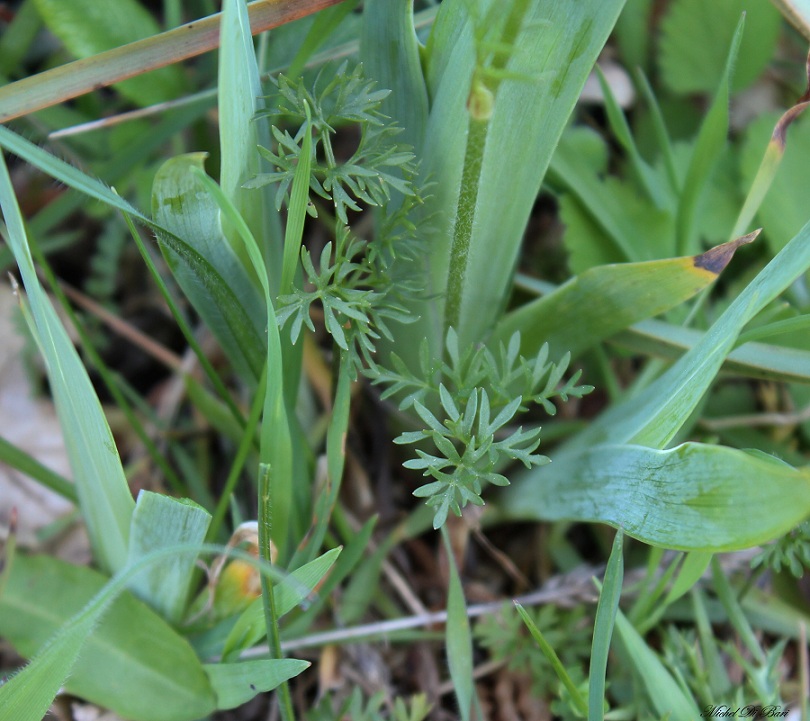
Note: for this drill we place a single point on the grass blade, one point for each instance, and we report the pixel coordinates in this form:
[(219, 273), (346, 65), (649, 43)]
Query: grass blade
[(240, 93), (666, 696), (104, 495), (603, 629), (554, 660), (458, 638)]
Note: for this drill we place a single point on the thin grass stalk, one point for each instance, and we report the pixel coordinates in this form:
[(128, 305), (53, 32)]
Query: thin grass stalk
[(606, 608), (245, 445)]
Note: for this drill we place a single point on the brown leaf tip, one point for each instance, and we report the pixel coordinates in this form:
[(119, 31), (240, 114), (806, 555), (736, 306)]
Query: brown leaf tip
[(716, 259)]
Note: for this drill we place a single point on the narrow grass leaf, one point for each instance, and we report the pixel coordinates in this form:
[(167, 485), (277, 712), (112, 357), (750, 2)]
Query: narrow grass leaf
[(713, 659), (735, 613), (299, 199), (104, 495), (666, 696), (292, 591), (16, 458), (335, 460), (237, 683), (326, 22), (752, 360), (649, 180), (554, 660), (160, 521), (568, 319), (240, 98), (690, 498), (606, 609), (691, 571), (771, 159), (82, 76), (458, 637), (132, 662), (352, 554), (18, 37)]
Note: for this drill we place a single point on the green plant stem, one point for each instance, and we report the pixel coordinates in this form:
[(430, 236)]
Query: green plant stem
[(268, 601), (247, 442), (465, 218)]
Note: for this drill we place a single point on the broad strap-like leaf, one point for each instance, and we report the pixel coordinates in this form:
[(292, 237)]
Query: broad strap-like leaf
[(205, 266), (694, 497), (129, 659), (604, 300)]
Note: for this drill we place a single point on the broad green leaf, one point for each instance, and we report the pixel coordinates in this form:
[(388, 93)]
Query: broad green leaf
[(693, 497), (604, 300), (458, 637), (665, 695), (606, 609), (240, 92), (236, 683), (206, 268), (160, 522), (87, 27), (695, 35), (390, 53), (294, 589), (104, 495), (133, 663)]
